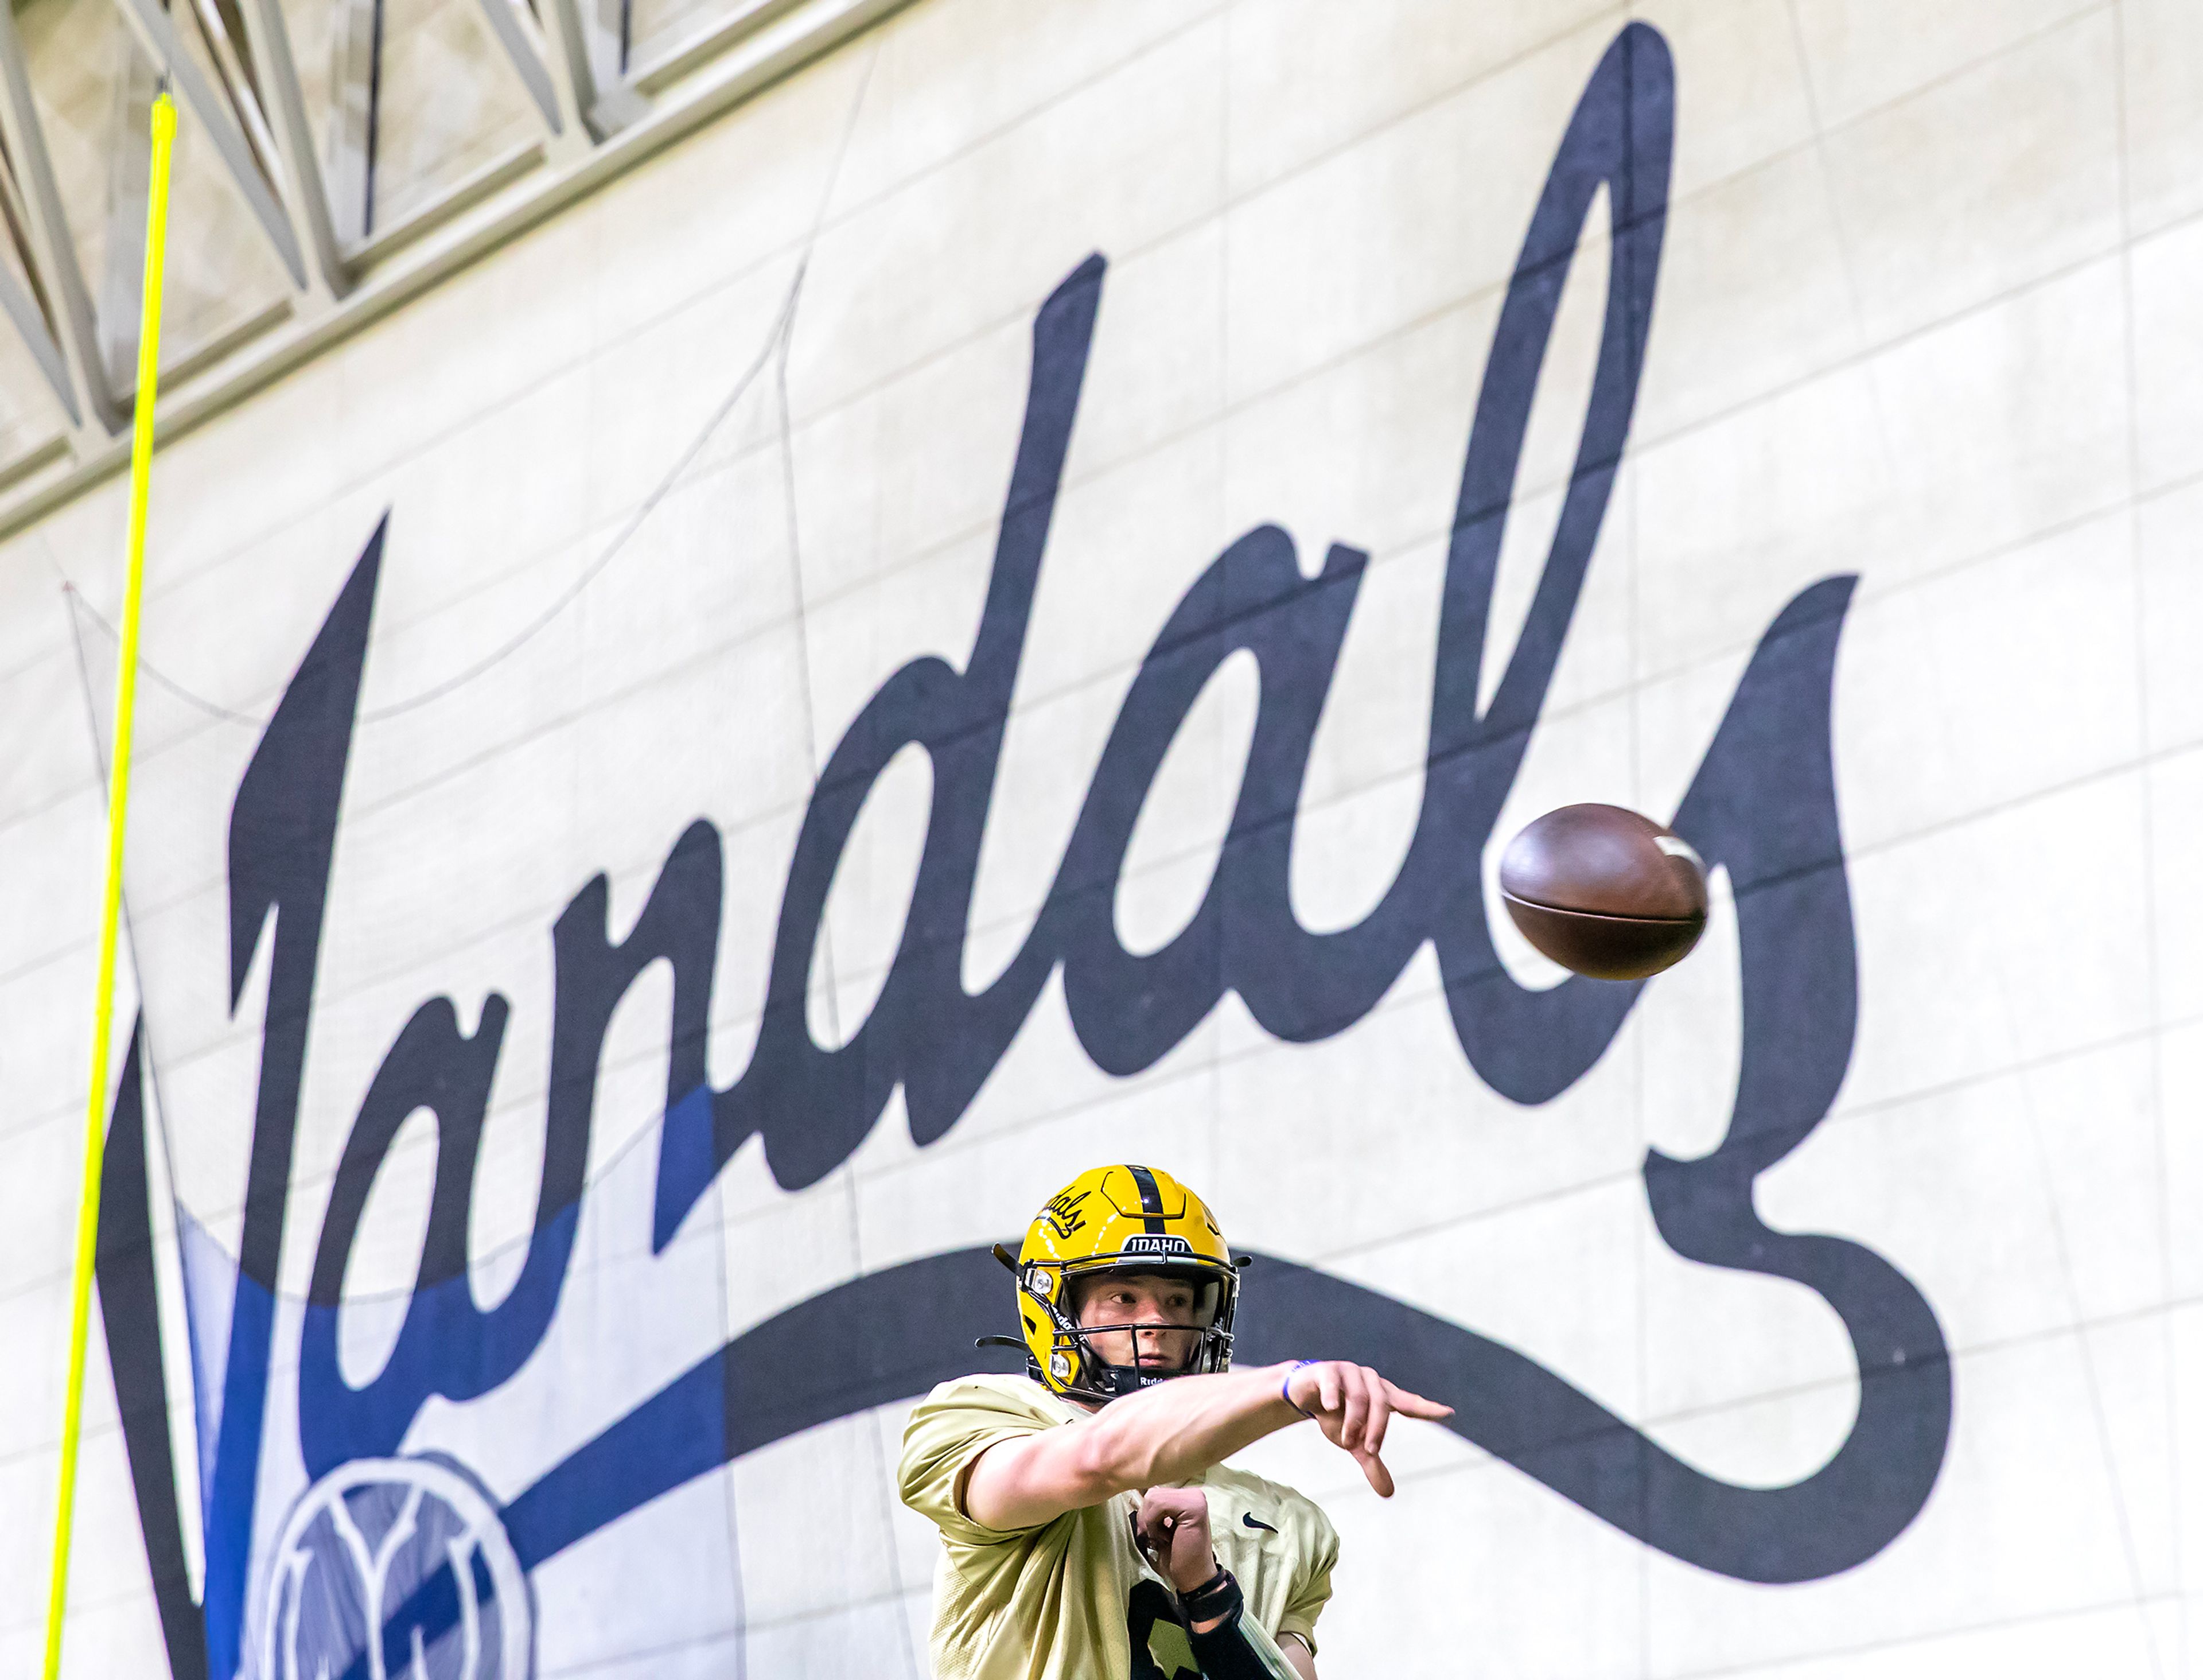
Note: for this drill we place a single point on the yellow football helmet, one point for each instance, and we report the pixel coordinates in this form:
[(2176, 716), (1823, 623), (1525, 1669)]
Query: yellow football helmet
[(1126, 1220)]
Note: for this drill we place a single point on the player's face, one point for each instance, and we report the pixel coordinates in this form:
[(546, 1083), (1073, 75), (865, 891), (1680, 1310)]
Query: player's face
[(1153, 1304)]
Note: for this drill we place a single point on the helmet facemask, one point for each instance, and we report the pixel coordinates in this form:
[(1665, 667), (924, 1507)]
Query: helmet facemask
[(1077, 1361)]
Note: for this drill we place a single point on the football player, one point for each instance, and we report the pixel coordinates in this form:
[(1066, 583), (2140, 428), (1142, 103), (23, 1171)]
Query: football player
[(1090, 1528)]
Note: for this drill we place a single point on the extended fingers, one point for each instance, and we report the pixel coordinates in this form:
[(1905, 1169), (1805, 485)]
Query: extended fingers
[(1380, 1411), (1367, 1405), (1354, 1408), (1414, 1405), (1379, 1478)]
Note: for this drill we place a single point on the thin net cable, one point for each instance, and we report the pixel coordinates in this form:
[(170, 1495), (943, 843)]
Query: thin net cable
[(784, 433), (80, 608), (2149, 852), (773, 347), (1939, 716), (2128, 1546), (151, 1060), (774, 339), (2091, 1380), (784, 437), (129, 924), (783, 415), (772, 353)]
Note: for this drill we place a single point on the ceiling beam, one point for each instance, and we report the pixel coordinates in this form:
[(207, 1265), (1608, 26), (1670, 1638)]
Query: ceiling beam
[(159, 35), (523, 44), (90, 400), (292, 131), (595, 109), (30, 321), (21, 298)]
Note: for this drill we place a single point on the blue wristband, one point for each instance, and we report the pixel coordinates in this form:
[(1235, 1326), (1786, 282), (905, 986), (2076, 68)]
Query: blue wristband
[(1285, 1388)]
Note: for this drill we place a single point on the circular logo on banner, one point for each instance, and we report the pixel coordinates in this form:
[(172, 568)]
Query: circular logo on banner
[(408, 1554)]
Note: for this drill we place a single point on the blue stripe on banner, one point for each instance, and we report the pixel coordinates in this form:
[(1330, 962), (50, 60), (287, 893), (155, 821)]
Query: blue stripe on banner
[(893, 1334)]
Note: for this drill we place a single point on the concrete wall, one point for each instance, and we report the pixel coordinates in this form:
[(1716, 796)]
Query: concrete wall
[(1890, 595)]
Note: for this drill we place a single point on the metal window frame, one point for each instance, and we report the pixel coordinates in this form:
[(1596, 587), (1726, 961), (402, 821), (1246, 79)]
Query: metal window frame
[(158, 34), (515, 30), (351, 115), (305, 192), (29, 318), (84, 392), (596, 127)]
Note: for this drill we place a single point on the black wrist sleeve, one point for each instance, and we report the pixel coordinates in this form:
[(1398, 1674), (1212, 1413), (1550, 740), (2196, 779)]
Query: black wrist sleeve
[(1224, 1654), (1219, 1595)]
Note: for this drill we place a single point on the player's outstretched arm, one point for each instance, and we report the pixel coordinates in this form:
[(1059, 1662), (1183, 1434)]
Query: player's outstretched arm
[(1177, 1430)]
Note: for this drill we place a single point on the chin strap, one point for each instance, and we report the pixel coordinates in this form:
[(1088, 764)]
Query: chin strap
[(1123, 1380)]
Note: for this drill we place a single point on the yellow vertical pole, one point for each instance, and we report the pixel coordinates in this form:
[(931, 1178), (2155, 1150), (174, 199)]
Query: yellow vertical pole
[(118, 804)]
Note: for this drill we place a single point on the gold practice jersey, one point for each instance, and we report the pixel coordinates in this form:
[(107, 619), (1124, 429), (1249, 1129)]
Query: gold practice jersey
[(1073, 1599)]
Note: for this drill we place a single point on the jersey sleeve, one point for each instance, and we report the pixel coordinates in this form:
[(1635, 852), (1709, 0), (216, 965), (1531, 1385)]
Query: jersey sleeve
[(948, 1431), (1311, 1590)]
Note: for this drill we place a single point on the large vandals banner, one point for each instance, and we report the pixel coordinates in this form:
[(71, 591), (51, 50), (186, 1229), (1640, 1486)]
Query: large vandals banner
[(332, 1525)]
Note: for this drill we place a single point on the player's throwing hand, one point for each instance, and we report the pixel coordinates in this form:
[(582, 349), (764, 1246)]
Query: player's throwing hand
[(1172, 1526), (1352, 1404)]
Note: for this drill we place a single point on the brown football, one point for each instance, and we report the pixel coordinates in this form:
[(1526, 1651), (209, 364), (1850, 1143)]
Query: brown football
[(1604, 891)]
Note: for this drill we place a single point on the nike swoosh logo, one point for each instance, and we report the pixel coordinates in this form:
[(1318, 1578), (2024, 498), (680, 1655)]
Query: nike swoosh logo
[(1252, 1521)]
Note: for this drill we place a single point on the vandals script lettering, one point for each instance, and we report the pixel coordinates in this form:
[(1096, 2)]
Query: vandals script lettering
[(1762, 804)]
